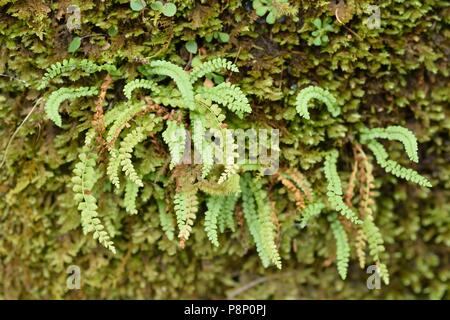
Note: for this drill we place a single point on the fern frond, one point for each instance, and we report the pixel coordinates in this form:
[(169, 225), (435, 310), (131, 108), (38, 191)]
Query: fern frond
[(226, 215), (121, 119), (374, 238), (229, 95), (360, 246), (166, 221), (67, 66), (57, 97), (203, 148), (293, 190), (126, 152), (139, 83), (313, 92), (214, 205), (175, 137), (186, 206), (300, 181), (214, 65), (113, 167), (129, 201), (334, 188), (181, 78), (398, 133), (83, 181), (393, 167), (311, 211), (267, 226), (342, 246)]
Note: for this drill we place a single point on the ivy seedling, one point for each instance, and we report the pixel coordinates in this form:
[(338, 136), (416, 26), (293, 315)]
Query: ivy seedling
[(168, 9)]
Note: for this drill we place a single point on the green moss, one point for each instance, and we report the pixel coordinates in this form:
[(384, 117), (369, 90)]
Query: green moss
[(394, 75)]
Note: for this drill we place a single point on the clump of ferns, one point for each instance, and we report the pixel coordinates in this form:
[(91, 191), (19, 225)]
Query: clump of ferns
[(125, 126), (345, 218)]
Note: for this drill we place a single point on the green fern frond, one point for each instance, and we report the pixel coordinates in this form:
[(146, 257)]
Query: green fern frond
[(122, 117), (175, 137), (137, 84), (228, 95), (203, 148), (398, 133), (68, 66), (342, 246), (334, 188), (393, 167), (226, 215), (186, 206), (311, 211), (267, 226), (112, 169), (373, 237), (129, 201), (214, 205), (383, 272), (83, 180), (214, 65), (313, 92), (166, 221), (57, 97), (126, 152), (252, 220), (181, 78)]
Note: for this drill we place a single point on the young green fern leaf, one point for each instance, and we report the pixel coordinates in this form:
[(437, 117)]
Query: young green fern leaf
[(214, 65), (393, 167), (175, 137), (113, 167), (126, 152), (342, 246), (129, 201), (83, 181), (186, 206), (266, 224), (166, 220), (68, 66), (228, 95), (57, 97), (373, 237), (214, 205), (137, 84), (181, 78), (311, 211), (120, 119), (334, 188), (398, 133), (313, 92), (226, 214), (252, 220)]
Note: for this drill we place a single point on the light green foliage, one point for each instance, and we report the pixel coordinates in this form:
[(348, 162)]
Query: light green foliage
[(68, 66), (398, 133), (342, 246), (395, 74), (175, 137), (211, 66), (311, 211), (139, 83), (225, 219), (180, 77), (214, 205), (57, 97), (131, 192), (125, 153), (258, 215), (320, 35), (313, 92), (230, 96), (273, 8), (334, 188), (186, 207), (393, 167), (83, 181)]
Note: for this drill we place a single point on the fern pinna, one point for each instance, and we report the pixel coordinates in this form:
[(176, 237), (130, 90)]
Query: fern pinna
[(165, 110)]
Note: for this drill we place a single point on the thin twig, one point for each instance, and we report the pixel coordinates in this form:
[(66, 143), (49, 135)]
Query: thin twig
[(17, 130)]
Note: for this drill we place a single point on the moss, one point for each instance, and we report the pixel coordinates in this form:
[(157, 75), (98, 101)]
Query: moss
[(394, 75)]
